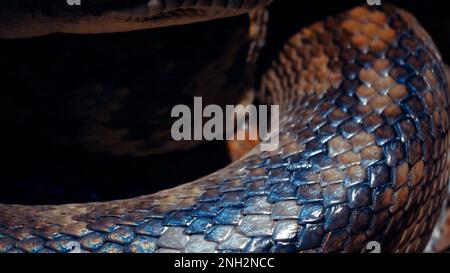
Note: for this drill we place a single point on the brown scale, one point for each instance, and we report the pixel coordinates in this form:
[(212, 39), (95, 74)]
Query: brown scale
[(380, 92), (359, 125)]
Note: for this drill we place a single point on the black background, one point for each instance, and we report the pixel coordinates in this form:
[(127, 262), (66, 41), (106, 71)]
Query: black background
[(283, 262)]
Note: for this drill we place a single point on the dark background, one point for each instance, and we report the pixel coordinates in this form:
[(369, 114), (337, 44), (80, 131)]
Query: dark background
[(129, 177)]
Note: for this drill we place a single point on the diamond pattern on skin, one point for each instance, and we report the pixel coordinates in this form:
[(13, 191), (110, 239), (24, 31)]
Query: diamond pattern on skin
[(365, 119)]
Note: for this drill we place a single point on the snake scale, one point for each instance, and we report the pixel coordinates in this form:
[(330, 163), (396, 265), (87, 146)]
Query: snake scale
[(363, 154)]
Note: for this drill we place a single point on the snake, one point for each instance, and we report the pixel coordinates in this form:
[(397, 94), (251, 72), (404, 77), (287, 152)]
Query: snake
[(362, 157)]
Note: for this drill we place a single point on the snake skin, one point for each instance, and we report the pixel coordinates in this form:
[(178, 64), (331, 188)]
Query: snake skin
[(363, 157)]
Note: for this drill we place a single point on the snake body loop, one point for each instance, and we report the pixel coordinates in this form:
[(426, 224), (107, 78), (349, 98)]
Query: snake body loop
[(363, 157)]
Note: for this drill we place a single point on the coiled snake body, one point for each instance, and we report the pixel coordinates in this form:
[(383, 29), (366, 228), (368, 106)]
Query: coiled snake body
[(362, 156)]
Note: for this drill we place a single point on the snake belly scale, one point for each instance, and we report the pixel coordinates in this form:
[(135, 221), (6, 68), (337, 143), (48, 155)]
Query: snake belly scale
[(363, 157)]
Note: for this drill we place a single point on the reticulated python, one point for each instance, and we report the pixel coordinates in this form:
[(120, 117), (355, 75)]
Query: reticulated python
[(363, 153)]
